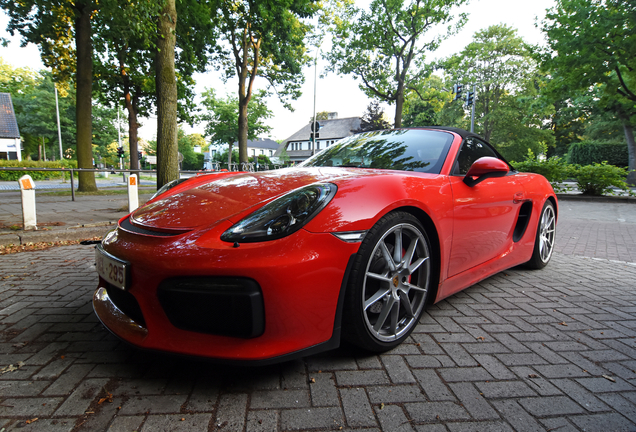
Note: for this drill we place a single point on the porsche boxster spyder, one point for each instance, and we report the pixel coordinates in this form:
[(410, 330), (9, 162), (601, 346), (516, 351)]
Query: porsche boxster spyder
[(354, 242)]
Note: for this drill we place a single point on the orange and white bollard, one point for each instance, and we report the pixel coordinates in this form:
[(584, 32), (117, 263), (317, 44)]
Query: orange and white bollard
[(27, 189), (133, 194)]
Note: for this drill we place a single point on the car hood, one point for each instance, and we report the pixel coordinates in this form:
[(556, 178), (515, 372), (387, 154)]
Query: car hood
[(232, 197)]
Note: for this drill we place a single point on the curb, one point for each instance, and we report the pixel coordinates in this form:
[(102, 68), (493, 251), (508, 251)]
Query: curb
[(591, 198), (74, 233)]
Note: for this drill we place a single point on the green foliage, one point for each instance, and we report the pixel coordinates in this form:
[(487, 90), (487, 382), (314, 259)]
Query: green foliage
[(186, 143), (35, 175), (381, 46), (589, 152), (373, 118), (508, 111), (222, 117), (598, 179), (554, 169)]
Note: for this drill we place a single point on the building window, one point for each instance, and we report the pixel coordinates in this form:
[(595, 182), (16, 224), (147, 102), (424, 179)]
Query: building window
[(262, 151)]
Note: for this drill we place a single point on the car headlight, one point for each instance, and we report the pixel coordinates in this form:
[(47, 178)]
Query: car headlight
[(167, 187), (283, 216)]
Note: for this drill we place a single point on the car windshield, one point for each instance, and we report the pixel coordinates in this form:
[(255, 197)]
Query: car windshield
[(404, 150)]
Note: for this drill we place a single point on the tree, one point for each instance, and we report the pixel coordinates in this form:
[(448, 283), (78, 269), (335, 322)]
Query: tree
[(424, 103), (593, 42), (373, 118), (222, 117), (382, 46), (166, 84), (321, 115), (263, 38)]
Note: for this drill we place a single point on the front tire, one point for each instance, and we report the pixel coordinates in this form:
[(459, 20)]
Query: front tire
[(389, 284), (544, 240)]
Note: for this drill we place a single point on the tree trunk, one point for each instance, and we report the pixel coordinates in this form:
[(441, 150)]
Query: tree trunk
[(631, 152), (84, 82), (133, 127), (242, 126), (166, 82), (399, 104)]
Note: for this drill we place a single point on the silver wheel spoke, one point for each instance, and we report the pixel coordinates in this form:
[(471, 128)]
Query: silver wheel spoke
[(397, 250), (416, 264), (395, 313), (379, 277), (383, 315), (406, 303), (387, 256), (375, 297)]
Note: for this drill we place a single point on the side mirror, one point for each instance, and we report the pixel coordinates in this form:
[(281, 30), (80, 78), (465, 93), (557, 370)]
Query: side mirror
[(485, 168)]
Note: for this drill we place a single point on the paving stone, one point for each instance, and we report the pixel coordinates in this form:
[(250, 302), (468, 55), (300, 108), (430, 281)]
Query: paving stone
[(392, 418), (359, 378), (395, 394), (554, 405), (126, 423), (357, 409), (489, 426), (262, 421), (505, 389), (397, 369), (586, 399), (323, 390), (600, 385), (77, 403), (280, 399), (464, 374), (176, 422), (474, 402), (153, 404), (433, 386), (311, 418), (432, 411), (603, 422), (230, 415), (520, 420)]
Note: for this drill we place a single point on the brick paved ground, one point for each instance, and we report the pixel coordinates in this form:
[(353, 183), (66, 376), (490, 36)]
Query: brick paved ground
[(523, 350)]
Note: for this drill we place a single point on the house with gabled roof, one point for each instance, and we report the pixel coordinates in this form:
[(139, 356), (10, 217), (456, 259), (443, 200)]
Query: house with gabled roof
[(10, 144), (298, 146)]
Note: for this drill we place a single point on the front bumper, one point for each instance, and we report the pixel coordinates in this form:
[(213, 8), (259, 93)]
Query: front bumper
[(300, 278)]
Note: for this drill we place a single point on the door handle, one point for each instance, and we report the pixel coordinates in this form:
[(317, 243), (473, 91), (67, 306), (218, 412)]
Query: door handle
[(518, 197)]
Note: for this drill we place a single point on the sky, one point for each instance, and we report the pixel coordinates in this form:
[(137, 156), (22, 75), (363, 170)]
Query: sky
[(334, 93)]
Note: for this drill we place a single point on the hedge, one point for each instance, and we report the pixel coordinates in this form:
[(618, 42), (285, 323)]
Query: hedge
[(591, 152), (35, 175)]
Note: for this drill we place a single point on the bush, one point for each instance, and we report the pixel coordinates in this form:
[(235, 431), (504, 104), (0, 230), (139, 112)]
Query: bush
[(591, 152), (598, 179), (554, 169), (35, 175)]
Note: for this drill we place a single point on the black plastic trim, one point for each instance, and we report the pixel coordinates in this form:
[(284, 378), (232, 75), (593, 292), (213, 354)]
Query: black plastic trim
[(128, 226)]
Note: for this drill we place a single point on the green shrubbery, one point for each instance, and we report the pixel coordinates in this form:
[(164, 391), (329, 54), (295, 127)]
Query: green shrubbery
[(35, 175), (590, 152), (591, 179)]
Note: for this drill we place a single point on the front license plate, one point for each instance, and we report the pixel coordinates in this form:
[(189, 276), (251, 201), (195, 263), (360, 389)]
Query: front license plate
[(114, 270)]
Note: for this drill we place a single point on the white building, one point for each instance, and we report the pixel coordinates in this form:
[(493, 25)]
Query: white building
[(10, 148), (298, 146)]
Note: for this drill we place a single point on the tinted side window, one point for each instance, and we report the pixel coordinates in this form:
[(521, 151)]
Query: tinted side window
[(472, 149)]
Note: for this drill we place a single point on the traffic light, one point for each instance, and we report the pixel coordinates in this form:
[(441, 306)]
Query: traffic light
[(457, 89), (311, 136), (120, 152), (470, 98), (139, 155)]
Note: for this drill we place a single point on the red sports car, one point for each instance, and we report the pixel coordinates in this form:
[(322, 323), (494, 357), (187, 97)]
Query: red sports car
[(356, 241)]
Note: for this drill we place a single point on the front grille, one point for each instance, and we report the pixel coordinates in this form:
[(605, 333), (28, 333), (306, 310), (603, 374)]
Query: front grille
[(127, 303), (214, 305)]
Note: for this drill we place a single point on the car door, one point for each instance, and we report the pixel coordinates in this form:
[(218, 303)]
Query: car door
[(485, 214)]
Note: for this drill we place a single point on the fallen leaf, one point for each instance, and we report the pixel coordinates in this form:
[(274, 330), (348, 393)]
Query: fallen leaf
[(312, 380), (182, 418), (533, 376), (481, 338), (382, 405), (563, 323), (31, 421), (609, 378)]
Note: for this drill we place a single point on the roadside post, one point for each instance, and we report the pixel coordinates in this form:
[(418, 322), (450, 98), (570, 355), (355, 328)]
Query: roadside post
[(133, 194), (27, 190)]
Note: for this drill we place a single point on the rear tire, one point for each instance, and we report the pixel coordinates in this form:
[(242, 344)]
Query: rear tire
[(544, 240), (389, 283)]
